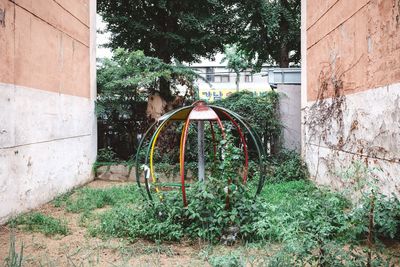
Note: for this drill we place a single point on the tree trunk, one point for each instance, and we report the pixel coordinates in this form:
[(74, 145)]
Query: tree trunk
[(284, 29), (165, 90), (284, 58)]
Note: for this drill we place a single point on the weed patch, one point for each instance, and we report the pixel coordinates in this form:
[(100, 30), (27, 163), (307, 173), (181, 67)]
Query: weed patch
[(38, 222)]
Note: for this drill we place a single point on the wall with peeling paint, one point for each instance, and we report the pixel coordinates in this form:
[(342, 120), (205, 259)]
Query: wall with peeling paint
[(47, 92), (351, 89)]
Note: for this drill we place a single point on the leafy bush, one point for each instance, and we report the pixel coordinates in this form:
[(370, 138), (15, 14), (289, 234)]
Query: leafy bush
[(260, 112), (123, 86), (288, 166), (386, 216), (38, 222), (106, 155), (206, 217)]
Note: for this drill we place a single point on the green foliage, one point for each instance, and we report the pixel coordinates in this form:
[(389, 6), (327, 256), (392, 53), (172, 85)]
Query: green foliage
[(154, 223), (214, 206), (228, 260), (236, 61), (14, 259), (206, 216), (270, 30), (60, 200), (106, 155), (374, 212), (182, 30), (386, 214), (296, 208), (123, 86), (186, 31), (88, 199), (259, 111), (38, 222), (287, 166)]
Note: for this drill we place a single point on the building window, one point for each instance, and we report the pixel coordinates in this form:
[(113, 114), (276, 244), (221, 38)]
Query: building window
[(210, 74), (221, 78), (248, 78)]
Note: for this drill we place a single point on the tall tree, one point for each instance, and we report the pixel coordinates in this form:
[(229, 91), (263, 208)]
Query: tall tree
[(270, 30), (236, 61), (183, 30)]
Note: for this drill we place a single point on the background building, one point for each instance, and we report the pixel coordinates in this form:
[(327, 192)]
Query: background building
[(47, 93), (351, 89), (219, 82)]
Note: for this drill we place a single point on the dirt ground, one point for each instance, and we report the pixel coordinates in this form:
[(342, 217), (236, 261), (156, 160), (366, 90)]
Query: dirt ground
[(80, 249)]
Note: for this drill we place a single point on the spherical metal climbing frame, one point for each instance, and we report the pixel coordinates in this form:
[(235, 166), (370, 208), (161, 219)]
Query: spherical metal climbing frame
[(198, 111)]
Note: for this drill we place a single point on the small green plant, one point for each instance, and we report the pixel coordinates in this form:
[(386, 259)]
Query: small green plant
[(60, 201), (38, 222), (106, 155), (229, 260), (14, 259)]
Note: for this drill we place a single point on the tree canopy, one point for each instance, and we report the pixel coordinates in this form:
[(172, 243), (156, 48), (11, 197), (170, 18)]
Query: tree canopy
[(169, 29), (270, 30), (123, 85), (266, 30)]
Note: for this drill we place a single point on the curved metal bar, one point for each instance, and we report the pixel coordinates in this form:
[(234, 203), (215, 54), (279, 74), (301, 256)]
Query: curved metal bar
[(152, 140), (221, 126), (137, 172), (159, 129), (246, 153), (182, 160), (257, 141)]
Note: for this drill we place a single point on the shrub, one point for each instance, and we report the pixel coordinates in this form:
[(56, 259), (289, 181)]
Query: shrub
[(260, 112), (288, 166), (206, 217), (106, 155)]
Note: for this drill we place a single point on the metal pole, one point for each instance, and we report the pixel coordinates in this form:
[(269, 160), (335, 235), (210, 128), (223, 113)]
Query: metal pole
[(200, 145)]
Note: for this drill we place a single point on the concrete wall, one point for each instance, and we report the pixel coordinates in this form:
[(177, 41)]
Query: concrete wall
[(351, 89), (289, 109), (47, 92)]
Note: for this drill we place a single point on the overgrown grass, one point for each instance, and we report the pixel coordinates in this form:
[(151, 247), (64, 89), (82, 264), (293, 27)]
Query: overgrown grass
[(38, 222), (286, 166), (281, 210), (60, 201), (312, 225), (87, 199)]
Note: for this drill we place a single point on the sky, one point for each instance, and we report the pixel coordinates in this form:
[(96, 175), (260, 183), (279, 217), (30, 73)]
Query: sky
[(102, 38)]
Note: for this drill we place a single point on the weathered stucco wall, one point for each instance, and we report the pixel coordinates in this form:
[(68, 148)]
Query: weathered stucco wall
[(351, 91), (47, 92)]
